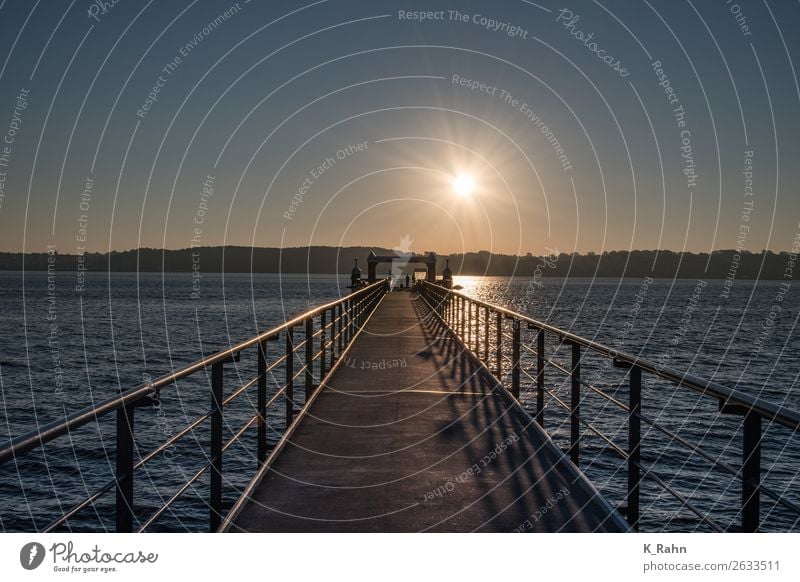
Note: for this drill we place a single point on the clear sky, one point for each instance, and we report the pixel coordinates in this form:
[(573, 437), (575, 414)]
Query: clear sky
[(579, 126)]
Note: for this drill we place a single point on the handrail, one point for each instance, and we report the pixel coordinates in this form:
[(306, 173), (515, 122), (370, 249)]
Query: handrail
[(766, 409), (348, 315), (48, 432), (246, 495), (696, 449), (455, 310)]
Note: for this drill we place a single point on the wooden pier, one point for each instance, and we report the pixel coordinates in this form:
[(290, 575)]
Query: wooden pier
[(400, 412), (411, 433)]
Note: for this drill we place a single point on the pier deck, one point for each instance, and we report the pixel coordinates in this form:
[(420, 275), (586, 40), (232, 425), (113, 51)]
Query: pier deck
[(410, 435)]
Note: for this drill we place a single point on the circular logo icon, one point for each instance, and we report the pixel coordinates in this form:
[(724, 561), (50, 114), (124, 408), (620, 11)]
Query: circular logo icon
[(31, 555)]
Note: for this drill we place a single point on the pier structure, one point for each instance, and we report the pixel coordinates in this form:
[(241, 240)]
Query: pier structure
[(429, 260), (423, 410), (412, 434)]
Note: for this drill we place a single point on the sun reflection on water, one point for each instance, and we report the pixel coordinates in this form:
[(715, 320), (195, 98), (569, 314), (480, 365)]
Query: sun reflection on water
[(470, 285)]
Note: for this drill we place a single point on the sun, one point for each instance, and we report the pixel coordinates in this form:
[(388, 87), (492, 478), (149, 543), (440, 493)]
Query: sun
[(463, 185)]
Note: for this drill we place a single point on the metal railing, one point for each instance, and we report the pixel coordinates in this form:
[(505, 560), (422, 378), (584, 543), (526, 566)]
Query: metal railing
[(328, 331), (484, 327)]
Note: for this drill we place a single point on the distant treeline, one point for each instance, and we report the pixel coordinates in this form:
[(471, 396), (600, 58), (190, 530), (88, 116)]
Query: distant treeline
[(331, 260)]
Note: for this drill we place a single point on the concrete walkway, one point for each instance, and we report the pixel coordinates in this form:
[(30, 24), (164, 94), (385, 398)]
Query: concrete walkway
[(408, 436)]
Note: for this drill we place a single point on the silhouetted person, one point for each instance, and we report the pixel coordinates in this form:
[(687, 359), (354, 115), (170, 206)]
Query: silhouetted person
[(407, 279)]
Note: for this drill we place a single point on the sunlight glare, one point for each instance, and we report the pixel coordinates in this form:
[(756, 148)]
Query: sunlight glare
[(463, 185)]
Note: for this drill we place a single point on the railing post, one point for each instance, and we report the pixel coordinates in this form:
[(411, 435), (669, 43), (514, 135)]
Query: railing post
[(333, 335), (478, 330), (344, 324), (462, 316), (540, 378), (351, 319), (262, 403), (575, 404), (309, 364), (515, 357), (469, 323), (339, 328), (751, 472), (125, 444), (215, 489), (467, 309), (634, 445), (334, 338), (289, 376), (474, 335), (486, 337), (347, 318), (499, 348), (323, 348)]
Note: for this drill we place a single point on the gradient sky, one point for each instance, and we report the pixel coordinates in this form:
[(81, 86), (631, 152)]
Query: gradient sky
[(275, 89)]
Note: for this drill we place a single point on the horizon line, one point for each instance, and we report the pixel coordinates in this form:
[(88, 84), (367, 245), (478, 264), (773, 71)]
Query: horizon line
[(321, 246)]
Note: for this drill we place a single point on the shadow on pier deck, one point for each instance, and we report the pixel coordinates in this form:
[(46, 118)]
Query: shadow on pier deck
[(410, 434)]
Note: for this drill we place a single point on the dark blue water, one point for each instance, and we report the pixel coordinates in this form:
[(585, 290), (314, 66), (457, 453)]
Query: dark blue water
[(62, 350)]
